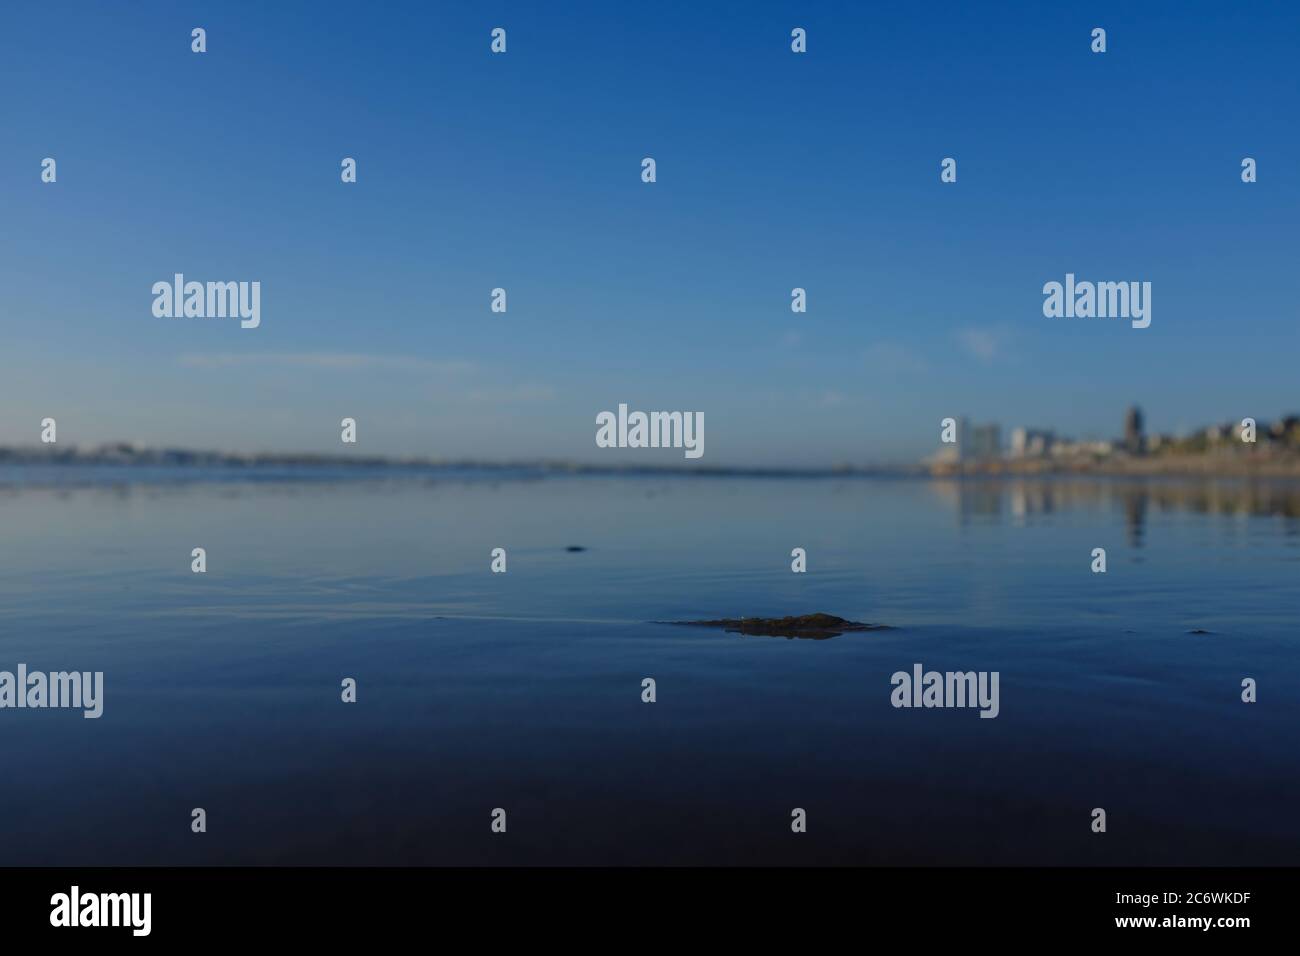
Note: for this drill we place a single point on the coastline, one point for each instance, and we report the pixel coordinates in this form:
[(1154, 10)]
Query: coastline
[(129, 461)]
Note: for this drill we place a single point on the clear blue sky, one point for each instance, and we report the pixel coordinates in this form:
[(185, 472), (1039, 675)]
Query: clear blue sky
[(775, 170)]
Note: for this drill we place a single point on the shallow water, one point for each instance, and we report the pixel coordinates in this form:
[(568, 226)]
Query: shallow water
[(523, 690)]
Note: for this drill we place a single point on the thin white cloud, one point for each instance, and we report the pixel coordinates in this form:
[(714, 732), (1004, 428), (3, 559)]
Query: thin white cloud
[(985, 344), (511, 395), (884, 357), (326, 360)]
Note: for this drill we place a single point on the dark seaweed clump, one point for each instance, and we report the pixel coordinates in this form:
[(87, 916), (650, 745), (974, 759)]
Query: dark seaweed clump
[(817, 627)]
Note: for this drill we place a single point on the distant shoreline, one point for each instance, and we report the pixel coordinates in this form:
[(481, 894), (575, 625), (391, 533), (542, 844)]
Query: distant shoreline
[(123, 456), (263, 464)]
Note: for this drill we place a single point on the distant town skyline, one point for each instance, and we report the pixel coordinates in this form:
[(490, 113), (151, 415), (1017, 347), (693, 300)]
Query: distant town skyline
[(1250, 441)]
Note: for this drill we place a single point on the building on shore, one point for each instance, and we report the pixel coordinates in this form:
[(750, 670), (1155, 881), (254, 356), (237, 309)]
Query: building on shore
[(986, 442), (979, 443), (1134, 440), (1031, 443)]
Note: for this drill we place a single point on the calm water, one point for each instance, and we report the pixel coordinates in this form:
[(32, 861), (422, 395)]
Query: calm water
[(523, 690)]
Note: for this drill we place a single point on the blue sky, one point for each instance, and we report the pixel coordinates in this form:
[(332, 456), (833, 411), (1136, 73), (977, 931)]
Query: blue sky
[(775, 170)]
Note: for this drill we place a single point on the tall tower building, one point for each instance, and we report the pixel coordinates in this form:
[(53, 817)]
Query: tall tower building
[(1134, 441)]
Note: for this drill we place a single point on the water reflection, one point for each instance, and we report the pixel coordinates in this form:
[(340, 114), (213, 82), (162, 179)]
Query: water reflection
[(1027, 498)]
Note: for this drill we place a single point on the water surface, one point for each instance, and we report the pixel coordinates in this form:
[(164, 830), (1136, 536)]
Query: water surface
[(523, 690)]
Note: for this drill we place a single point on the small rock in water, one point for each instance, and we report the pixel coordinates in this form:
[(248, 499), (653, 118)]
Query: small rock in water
[(817, 627)]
